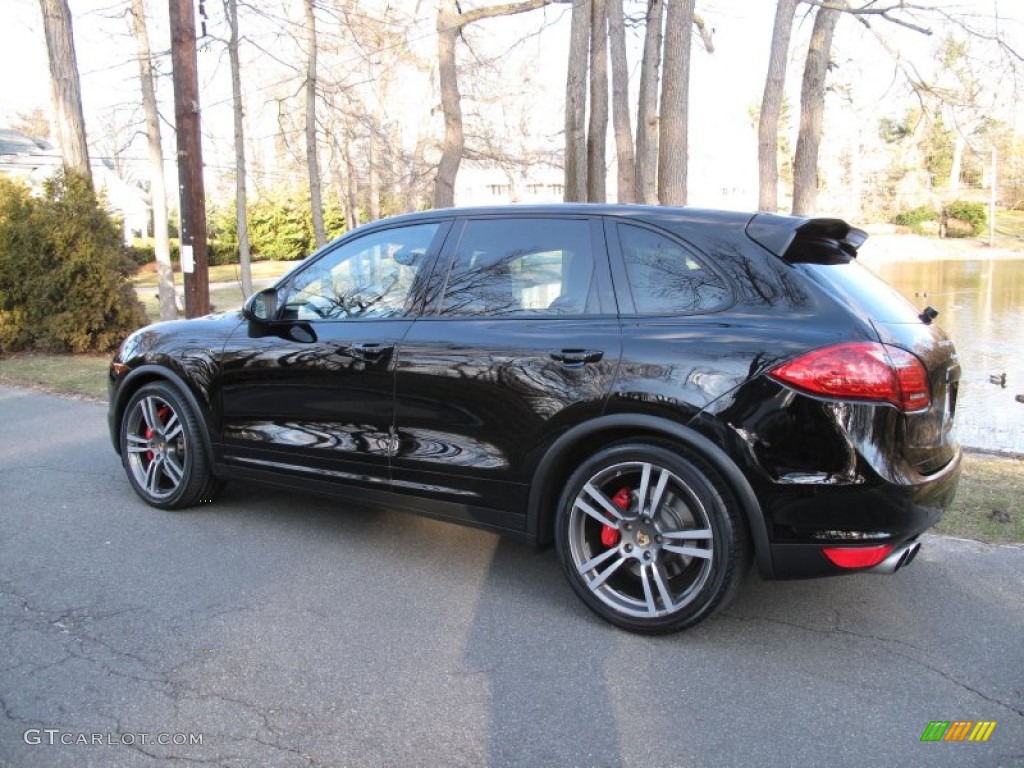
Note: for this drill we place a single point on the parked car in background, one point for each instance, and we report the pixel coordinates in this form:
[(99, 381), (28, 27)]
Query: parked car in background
[(663, 394)]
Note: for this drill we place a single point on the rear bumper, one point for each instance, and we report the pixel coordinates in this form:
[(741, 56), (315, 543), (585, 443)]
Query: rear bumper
[(806, 521)]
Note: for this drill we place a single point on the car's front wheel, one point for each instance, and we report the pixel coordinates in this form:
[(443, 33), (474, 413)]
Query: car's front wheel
[(650, 537), (162, 449)]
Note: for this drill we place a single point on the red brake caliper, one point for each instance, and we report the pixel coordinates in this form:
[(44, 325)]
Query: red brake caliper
[(609, 535), (162, 412)]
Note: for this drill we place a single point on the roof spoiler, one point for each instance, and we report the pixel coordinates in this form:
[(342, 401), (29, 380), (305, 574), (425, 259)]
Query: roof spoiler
[(777, 233)]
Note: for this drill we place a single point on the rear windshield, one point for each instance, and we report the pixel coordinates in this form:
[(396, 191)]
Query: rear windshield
[(860, 288)]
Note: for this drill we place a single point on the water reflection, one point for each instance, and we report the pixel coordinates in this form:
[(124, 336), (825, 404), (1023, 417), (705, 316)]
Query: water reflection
[(981, 306)]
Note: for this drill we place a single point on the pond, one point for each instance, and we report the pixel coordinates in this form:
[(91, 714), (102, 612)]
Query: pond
[(981, 306)]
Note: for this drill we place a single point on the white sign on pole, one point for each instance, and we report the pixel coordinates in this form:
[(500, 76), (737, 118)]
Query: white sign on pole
[(188, 262)]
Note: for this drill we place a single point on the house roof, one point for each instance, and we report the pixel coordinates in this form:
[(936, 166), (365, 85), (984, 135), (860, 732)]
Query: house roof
[(17, 143)]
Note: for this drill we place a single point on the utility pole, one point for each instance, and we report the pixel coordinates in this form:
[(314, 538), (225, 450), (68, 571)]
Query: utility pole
[(192, 196)]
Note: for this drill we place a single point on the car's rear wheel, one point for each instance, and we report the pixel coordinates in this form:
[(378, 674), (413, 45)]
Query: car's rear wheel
[(650, 537), (162, 449)]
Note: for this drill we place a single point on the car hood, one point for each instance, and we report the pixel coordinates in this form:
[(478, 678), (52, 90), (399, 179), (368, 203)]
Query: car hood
[(175, 338)]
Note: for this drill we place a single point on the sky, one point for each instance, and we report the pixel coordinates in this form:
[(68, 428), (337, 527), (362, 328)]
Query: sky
[(725, 85)]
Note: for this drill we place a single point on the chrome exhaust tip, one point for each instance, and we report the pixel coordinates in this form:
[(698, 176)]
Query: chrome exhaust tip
[(898, 558)]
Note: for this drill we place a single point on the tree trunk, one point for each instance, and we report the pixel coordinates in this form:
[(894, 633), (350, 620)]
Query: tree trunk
[(673, 143), (576, 105), (65, 89), (157, 187), (955, 169), (450, 21), (451, 104), (597, 133), (241, 218), (812, 110), (312, 160), (352, 186), (771, 109), (647, 108), (374, 186), (626, 180)]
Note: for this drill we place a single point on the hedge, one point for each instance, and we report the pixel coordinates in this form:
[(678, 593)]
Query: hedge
[(63, 270)]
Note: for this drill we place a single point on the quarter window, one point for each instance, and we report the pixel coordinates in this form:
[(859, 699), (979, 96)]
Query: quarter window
[(369, 277), (665, 278), (521, 267)]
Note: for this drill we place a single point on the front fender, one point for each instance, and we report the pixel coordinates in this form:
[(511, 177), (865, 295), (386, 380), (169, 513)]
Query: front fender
[(143, 375)]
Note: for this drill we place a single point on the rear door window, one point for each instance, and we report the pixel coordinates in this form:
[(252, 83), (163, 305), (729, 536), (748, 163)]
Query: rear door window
[(521, 266), (665, 278)]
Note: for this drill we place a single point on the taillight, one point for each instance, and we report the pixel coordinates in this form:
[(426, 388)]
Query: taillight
[(861, 370), (857, 557)]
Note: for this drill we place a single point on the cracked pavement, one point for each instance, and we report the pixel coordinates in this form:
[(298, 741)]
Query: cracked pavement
[(289, 630)]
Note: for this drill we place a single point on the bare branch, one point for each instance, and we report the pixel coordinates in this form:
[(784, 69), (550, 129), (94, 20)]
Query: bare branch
[(870, 10), (505, 9), (705, 33)]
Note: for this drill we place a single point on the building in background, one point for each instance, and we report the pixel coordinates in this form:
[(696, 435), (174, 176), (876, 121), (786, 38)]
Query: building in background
[(32, 161)]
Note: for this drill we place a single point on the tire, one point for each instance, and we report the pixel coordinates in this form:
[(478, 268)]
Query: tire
[(162, 449), (650, 537)]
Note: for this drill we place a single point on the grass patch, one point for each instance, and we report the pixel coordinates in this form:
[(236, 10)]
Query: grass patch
[(146, 277), (64, 374), (221, 299), (987, 505), (1010, 223)]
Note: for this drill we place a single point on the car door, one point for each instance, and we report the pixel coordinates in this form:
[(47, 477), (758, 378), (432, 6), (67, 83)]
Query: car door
[(311, 392), (521, 342)]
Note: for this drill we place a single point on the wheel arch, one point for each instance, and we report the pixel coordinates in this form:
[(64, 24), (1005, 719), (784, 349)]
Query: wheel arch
[(570, 448), (147, 374)]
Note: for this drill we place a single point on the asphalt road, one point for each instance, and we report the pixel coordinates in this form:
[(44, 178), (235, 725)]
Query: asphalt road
[(286, 630)]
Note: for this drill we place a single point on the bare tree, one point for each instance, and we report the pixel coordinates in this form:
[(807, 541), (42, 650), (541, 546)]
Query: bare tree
[(812, 109), (373, 171), (35, 123), (771, 108), (450, 23), (597, 131), (157, 187), (673, 143), (625, 158), (65, 88), (241, 218), (576, 104), (647, 108), (312, 160)]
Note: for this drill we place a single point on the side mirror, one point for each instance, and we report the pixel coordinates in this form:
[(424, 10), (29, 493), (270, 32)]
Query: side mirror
[(261, 306)]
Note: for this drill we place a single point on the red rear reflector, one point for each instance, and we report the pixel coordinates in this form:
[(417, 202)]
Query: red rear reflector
[(862, 370), (857, 557)]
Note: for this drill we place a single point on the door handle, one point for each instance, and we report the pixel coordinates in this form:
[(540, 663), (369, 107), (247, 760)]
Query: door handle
[(368, 351), (576, 358)]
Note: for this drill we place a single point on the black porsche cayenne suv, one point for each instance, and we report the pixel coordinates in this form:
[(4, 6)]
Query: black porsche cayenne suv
[(663, 394)]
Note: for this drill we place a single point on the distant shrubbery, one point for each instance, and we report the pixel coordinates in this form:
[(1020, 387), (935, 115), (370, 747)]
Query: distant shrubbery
[(279, 227), (914, 218), (972, 214), (142, 251), (63, 270), (959, 219)]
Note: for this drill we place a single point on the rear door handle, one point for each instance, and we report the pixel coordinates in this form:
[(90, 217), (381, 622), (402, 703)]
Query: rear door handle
[(369, 351), (575, 358)]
